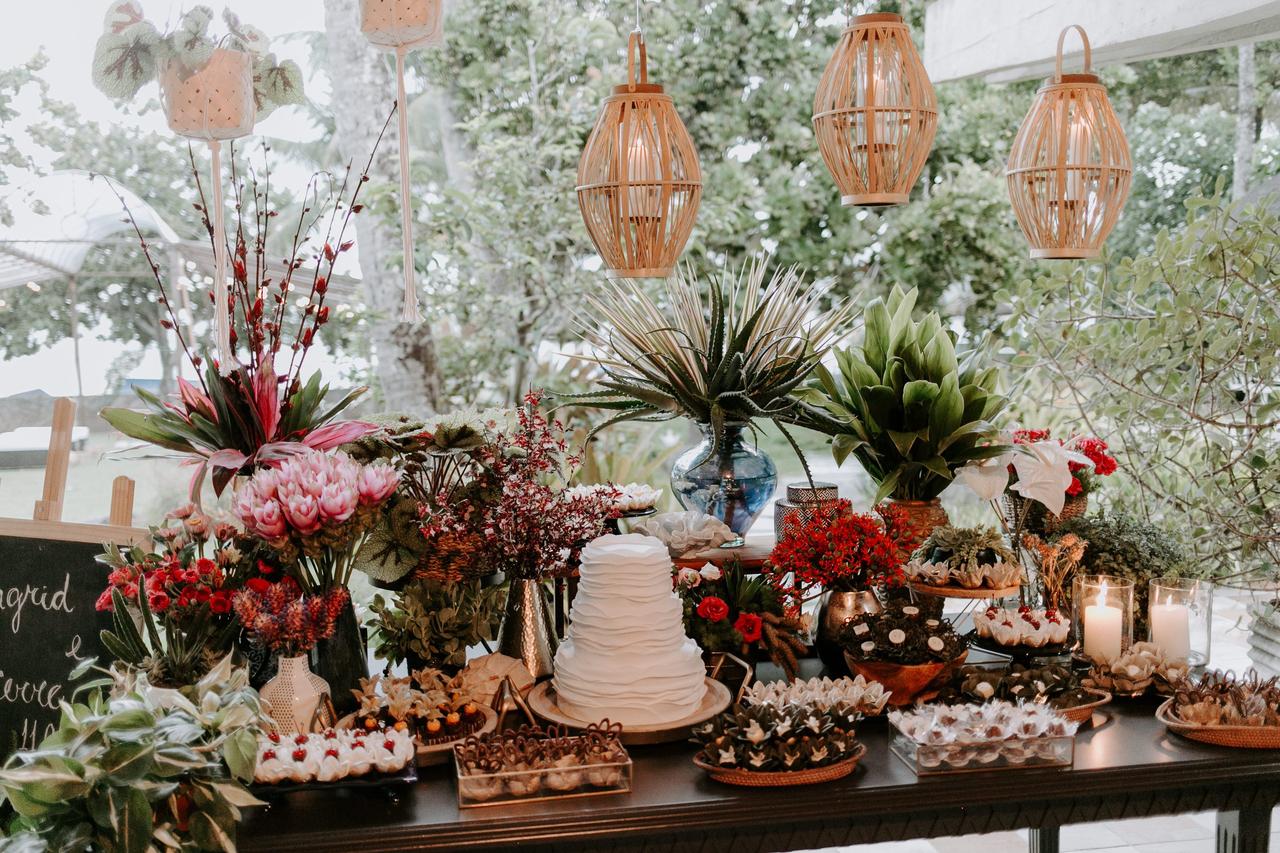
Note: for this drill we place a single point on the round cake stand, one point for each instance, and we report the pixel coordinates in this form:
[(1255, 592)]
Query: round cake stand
[(542, 699), (963, 592)]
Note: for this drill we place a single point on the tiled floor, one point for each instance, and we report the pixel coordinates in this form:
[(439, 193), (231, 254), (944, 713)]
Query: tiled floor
[(1181, 834)]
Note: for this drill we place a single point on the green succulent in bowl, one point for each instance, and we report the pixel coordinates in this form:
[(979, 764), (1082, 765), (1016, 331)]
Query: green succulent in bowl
[(906, 404)]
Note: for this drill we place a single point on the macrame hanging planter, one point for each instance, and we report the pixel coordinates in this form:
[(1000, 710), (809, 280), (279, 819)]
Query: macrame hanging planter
[(639, 181), (213, 102), (875, 113), (1069, 168), (402, 26)]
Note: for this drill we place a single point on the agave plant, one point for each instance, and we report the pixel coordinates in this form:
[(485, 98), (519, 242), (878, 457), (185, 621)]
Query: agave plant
[(905, 404), (732, 356)]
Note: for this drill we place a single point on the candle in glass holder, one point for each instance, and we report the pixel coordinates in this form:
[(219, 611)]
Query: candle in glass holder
[(1171, 628), (1103, 628)]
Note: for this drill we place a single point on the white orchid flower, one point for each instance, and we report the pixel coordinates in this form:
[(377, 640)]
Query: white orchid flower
[(986, 478), (1044, 472)]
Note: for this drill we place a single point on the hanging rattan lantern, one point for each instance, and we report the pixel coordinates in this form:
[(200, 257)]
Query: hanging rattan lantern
[(639, 182), (875, 113), (1069, 169)]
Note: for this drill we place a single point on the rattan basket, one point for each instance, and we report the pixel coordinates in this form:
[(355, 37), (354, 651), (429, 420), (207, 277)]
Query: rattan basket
[(1083, 713), (1236, 737), (784, 778)]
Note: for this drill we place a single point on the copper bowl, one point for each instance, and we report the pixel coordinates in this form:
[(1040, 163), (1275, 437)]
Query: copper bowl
[(907, 683)]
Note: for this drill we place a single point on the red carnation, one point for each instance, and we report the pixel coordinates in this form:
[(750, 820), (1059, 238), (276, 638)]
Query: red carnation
[(749, 626), (159, 602), (258, 585), (713, 609), (221, 602), (1075, 488)]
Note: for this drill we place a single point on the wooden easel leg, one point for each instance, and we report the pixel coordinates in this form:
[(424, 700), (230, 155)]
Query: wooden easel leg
[(1044, 839), (1245, 831)]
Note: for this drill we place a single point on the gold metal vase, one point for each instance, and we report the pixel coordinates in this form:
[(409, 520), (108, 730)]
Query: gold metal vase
[(527, 633)]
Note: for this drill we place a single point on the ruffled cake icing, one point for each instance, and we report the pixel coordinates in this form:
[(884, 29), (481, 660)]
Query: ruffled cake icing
[(626, 656)]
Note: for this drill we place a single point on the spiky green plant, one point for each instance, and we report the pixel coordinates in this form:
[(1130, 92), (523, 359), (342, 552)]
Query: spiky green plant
[(905, 404), (730, 349)]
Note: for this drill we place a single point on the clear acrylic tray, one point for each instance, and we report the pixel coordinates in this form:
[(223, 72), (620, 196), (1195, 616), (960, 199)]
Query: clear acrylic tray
[(526, 786), (1013, 754)]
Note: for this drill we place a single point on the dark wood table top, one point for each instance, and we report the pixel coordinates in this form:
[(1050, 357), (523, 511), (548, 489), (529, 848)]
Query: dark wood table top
[(1128, 765)]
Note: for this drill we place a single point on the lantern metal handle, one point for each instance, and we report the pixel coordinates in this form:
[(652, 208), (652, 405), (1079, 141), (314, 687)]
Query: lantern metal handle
[(637, 38), (1088, 51)]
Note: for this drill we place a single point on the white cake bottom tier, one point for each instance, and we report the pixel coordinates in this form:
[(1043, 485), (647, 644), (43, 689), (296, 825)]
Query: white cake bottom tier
[(629, 710)]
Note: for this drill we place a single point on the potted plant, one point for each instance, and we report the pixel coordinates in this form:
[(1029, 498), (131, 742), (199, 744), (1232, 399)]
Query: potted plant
[(724, 353), (312, 513), (842, 556), (213, 89), (131, 768), (172, 607), (1085, 479), (909, 407), (433, 623), (727, 610), (518, 517), (910, 653), (238, 417)]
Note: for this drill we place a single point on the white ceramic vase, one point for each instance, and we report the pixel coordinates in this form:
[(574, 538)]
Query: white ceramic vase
[(293, 698)]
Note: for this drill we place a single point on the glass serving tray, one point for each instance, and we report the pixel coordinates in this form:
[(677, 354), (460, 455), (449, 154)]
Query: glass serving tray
[(1012, 754), (533, 785)]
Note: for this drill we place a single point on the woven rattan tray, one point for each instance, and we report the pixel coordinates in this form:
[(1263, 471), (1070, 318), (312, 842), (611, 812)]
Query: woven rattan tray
[(1082, 713), (1237, 737), (781, 779)]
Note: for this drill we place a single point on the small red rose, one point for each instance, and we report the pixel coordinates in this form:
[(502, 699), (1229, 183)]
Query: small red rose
[(749, 626), (713, 609)]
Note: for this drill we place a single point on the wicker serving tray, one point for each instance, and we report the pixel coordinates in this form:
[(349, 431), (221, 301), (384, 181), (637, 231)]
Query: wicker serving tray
[(1083, 713), (962, 591), (1236, 737), (781, 779)]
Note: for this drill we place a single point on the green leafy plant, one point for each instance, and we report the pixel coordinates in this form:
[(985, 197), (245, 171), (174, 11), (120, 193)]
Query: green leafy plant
[(132, 768), (1128, 547), (131, 52), (733, 355), (906, 404), (434, 623)]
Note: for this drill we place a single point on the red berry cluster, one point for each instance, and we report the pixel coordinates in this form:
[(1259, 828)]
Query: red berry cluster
[(285, 620)]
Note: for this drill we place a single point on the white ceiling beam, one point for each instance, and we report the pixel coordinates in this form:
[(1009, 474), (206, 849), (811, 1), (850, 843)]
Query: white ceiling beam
[(1007, 40)]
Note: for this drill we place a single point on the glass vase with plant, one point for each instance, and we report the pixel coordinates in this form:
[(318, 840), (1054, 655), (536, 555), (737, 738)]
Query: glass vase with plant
[(172, 606), (908, 406), (727, 353)]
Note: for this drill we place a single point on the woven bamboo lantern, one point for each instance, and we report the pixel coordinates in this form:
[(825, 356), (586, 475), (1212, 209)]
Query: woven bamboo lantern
[(639, 182), (1069, 169), (875, 113)]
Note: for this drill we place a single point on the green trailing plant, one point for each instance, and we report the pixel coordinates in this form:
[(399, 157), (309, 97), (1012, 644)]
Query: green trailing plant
[(732, 349), (1128, 547), (132, 769), (132, 52), (906, 404), (435, 623)]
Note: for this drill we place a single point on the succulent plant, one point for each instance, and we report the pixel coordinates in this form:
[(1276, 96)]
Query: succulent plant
[(967, 556), (909, 407), (771, 738), (901, 633)]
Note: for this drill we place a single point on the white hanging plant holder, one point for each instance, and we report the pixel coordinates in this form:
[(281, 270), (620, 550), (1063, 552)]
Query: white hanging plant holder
[(213, 102), (404, 25)]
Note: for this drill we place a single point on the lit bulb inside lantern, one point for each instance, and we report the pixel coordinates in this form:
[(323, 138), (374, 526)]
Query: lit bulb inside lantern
[(643, 174)]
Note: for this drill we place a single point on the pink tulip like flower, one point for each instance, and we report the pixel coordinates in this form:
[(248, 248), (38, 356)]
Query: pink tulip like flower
[(377, 482), (266, 519), (303, 513), (337, 502)]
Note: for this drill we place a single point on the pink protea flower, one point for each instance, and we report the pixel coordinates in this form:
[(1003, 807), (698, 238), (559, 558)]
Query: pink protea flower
[(338, 501), (377, 482), (266, 519), (303, 513)]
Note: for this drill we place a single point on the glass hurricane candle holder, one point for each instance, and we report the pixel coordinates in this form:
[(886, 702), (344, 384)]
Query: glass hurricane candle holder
[(1180, 612), (1102, 615)]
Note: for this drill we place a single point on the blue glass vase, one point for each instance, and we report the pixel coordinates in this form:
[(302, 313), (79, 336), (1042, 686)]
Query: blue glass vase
[(734, 484)]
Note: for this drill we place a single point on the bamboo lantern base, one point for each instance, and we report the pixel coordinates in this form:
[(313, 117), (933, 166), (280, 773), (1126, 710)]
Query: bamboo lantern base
[(639, 181), (1069, 168), (874, 199)]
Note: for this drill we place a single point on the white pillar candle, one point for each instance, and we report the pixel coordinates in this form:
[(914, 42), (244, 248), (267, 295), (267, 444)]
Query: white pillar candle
[(1171, 629), (1103, 628)]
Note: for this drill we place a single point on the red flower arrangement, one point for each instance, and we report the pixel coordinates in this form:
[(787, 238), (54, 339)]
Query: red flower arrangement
[(283, 619), (713, 609), (836, 549), (1083, 478), (517, 507)]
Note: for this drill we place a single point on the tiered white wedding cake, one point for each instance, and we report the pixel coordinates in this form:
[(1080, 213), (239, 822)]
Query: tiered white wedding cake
[(626, 656)]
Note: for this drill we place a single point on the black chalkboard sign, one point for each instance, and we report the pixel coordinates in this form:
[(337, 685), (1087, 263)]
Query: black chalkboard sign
[(48, 624)]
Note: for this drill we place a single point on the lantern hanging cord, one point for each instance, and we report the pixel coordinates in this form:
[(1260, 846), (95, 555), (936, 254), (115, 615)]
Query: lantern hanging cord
[(638, 4)]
